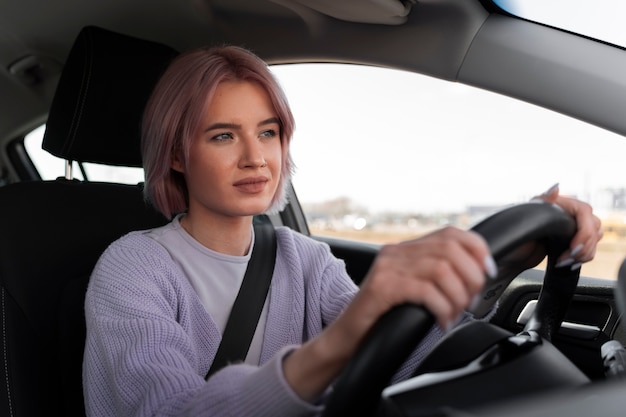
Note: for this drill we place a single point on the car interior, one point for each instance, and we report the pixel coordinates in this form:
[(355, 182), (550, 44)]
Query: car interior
[(88, 75)]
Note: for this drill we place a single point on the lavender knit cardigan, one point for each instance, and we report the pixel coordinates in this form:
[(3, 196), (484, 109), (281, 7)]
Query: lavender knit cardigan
[(150, 341)]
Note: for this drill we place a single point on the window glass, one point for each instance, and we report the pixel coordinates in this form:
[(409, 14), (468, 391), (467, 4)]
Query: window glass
[(48, 165), (384, 155), (51, 167)]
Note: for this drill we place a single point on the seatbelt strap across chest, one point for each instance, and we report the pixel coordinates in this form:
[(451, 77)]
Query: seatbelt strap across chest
[(248, 305)]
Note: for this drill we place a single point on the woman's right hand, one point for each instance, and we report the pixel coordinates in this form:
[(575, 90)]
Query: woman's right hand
[(442, 271)]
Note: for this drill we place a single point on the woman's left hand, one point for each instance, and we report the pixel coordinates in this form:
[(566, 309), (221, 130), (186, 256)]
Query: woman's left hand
[(589, 228)]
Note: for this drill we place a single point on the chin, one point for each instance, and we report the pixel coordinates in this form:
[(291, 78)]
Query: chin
[(254, 209)]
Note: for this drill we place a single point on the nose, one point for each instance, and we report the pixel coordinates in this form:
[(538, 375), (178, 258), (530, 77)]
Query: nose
[(252, 154)]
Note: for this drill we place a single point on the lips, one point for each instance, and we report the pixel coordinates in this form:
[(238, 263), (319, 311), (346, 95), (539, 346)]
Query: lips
[(252, 185)]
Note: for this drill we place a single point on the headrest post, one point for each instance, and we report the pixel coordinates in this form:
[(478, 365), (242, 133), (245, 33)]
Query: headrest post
[(68, 169)]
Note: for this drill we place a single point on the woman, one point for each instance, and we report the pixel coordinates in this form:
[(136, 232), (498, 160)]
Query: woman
[(216, 135)]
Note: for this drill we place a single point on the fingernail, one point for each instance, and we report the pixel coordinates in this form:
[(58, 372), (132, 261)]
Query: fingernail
[(576, 266), (551, 189), (490, 267), (564, 263), (577, 249)]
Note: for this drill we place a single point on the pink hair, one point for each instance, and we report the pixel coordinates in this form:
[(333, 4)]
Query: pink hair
[(174, 113)]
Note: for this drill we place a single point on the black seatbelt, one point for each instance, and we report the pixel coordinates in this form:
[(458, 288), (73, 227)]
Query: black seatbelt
[(247, 307)]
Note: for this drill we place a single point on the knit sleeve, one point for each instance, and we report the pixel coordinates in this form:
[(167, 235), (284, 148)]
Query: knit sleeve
[(337, 288), (146, 354)]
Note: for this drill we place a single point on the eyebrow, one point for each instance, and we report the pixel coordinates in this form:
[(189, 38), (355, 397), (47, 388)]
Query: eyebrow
[(218, 125)]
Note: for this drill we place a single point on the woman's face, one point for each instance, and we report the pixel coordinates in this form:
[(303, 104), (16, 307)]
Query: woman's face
[(235, 157)]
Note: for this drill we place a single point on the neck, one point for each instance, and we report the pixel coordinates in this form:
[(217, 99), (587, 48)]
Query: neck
[(230, 235)]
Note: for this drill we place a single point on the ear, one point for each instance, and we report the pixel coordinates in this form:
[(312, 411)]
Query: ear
[(176, 162)]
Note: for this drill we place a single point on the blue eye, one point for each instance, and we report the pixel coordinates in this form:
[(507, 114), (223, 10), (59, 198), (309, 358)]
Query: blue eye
[(271, 133), (222, 137)]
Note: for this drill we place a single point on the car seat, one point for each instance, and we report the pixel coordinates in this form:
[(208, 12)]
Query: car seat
[(53, 232)]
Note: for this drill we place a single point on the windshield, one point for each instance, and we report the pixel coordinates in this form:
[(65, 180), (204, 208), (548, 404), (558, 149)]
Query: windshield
[(598, 19)]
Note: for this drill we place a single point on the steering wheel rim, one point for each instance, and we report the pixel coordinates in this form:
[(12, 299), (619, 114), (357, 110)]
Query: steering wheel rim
[(391, 340)]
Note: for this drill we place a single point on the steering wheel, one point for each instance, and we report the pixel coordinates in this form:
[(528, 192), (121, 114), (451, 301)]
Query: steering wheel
[(358, 389)]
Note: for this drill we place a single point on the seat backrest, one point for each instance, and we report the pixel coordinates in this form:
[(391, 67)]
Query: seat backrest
[(53, 232)]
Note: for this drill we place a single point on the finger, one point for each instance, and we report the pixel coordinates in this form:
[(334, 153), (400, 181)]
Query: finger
[(589, 243), (465, 249), (550, 195), (583, 245), (396, 284), (587, 223), (441, 271), (454, 287), (589, 231), (467, 268), (458, 273), (431, 298)]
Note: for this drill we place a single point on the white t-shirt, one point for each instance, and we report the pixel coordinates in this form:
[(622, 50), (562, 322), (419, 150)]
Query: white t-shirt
[(216, 277)]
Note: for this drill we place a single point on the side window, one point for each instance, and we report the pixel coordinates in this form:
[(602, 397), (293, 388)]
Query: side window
[(51, 167), (48, 165), (385, 155)]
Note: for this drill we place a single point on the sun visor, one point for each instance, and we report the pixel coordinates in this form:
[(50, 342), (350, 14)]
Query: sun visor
[(386, 12)]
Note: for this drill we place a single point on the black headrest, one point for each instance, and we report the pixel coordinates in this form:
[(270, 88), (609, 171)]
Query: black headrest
[(96, 111)]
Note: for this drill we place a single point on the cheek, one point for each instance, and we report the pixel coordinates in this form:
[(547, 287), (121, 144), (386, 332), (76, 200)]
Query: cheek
[(204, 169), (277, 157)]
